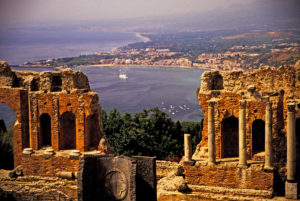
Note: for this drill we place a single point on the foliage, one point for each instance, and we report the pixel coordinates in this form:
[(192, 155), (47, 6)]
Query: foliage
[(150, 133), (6, 148), (195, 129)]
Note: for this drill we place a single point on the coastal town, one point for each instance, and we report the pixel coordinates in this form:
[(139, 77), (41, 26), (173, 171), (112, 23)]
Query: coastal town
[(249, 56)]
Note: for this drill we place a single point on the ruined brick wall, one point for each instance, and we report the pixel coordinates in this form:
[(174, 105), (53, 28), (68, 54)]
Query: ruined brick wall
[(53, 109), (39, 165), (278, 86), (227, 88), (229, 175)]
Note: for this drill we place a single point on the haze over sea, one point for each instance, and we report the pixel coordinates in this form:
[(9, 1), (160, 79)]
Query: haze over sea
[(19, 46), (171, 89)]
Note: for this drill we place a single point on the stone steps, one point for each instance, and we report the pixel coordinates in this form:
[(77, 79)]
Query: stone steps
[(195, 196), (222, 193)]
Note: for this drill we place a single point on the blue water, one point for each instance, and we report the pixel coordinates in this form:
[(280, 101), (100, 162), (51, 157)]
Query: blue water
[(170, 89), (173, 90), (16, 47)]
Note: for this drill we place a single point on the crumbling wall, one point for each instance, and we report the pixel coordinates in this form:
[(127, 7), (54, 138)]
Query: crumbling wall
[(36, 188), (41, 164), (33, 95), (268, 81), (229, 175), (278, 86)]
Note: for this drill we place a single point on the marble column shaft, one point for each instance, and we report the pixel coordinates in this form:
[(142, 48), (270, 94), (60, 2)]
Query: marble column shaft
[(211, 132), (242, 134), (187, 147), (291, 143), (268, 136)]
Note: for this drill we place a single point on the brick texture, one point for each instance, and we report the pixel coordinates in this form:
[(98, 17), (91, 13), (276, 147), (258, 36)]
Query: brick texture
[(32, 95)]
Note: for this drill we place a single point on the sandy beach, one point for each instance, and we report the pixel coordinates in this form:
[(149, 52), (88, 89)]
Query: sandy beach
[(144, 38)]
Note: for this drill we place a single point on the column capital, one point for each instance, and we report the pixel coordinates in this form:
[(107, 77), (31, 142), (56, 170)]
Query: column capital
[(291, 107), (266, 98), (211, 103), (242, 104), (269, 105)]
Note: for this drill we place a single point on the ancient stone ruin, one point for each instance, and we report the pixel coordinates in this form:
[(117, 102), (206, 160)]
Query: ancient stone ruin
[(104, 177), (250, 141), (56, 112), (251, 133), (58, 136)]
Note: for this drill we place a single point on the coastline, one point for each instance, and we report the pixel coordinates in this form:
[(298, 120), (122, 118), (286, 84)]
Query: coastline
[(138, 35), (132, 65), (144, 38), (109, 65)]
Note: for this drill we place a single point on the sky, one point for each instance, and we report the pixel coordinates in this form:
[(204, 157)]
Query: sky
[(34, 11)]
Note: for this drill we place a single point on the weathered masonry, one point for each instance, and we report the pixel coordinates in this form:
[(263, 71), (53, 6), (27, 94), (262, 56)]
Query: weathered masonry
[(251, 130), (57, 117)]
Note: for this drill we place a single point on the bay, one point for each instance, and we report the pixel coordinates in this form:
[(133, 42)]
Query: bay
[(173, 90), (17, 47)]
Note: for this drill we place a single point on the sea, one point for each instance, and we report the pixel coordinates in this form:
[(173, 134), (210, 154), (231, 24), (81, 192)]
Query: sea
[(173, 90), (17, 47)]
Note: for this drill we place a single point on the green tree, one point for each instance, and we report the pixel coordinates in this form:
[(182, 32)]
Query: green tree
[(6, 148), (150, 133), (195, 129)]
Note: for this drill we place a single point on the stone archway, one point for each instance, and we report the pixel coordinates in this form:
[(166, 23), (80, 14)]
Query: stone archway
[(17, 100), (258, 136), (7, 120), (93, 131), (68, 131), (230, 137), (45, 130), (2, 125)]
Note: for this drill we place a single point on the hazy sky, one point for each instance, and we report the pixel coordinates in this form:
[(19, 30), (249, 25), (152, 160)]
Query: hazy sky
[(21, 11)]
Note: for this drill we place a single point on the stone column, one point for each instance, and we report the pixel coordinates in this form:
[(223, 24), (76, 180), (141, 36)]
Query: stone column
[(242, 135), (187, 147), (291, 143), (211, 132), (268, 137), (291, 185), (188, 150)]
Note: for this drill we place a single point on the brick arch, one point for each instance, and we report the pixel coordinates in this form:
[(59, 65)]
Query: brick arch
[(258, 136), (230, 137), (67, 131), (92, 136), (17, 100), (45, 130)]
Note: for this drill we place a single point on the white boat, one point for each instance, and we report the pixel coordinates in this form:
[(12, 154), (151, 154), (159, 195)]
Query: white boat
[(123, 75)]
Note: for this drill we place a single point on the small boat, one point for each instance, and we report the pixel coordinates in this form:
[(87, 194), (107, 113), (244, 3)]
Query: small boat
[(123, 75)]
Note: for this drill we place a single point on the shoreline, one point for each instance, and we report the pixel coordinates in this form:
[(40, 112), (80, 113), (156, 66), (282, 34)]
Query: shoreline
[(144, 38), (132, 65), (108, 65)]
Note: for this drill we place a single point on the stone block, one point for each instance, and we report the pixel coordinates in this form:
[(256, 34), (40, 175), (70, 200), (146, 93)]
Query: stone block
[(145, 178), (74, 155), (191, 163), (291, 190), (105, 177), (27, 152), (48, 153)]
